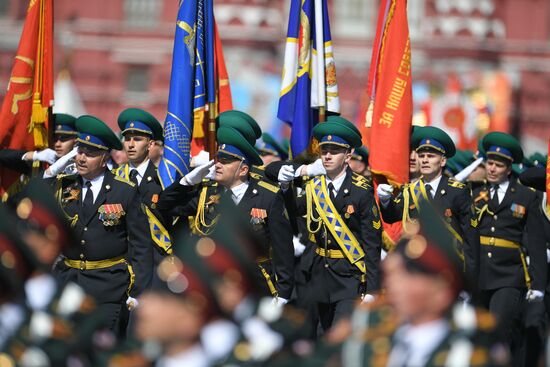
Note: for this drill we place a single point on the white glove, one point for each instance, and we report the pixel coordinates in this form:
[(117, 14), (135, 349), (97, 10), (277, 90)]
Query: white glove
[(299, 247), (316, 168), (46, 155), (367, 298), (196, 176), (279, 302), (202, 158), (211, 173), (534, 296), (60, 164), (548, 256), (131, 303), (286, 174), (384, 192)]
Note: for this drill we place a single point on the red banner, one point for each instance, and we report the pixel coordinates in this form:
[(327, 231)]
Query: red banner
[(24, 113), (391, 94)]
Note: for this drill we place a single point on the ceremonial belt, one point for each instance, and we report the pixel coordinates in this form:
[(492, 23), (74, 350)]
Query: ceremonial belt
[(159, 234), (414, 191), (94, 264), (316, 190), (123, 172), (200, 226), (330, 253), (102, 264), (501, 242)]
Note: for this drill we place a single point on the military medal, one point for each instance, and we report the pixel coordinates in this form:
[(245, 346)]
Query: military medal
[(110, 214), (257, 216), (518, 210)]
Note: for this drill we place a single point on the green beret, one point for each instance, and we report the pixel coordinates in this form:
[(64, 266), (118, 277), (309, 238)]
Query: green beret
[(433, 138), (95, 133), (361, 154), (242, 122), (64, 124), (268, 145), (135, 119), (338, 131), (503, 145), (233, 143)]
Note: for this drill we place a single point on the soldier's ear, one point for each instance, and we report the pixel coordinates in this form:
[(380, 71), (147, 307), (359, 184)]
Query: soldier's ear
[(443, 161)]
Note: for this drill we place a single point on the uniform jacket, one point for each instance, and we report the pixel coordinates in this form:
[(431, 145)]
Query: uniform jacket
[(273, 231), (453, 201), (356, 205), (129, 238), (518, 212)]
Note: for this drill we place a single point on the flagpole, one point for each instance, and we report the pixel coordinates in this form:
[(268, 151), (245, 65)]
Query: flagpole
[(320, 65), (211, 134)]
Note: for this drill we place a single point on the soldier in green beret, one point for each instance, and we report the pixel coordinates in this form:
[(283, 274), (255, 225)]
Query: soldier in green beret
[(139, 131), (505, 211), (260, 200), (452, 198), (114, 261), (343, 219)]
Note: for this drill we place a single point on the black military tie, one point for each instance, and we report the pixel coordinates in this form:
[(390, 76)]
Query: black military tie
[(133, 176), (428, 188), (493, 204), (331, 191), (88, 202)]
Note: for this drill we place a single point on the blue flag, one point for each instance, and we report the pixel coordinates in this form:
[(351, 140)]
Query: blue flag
[(309, 73), (187, 97)]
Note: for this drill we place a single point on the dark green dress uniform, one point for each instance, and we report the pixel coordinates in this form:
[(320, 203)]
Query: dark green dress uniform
[(346, 261), (114, 258), (262, 203), (452, 199), (137, 120), (504, 276)]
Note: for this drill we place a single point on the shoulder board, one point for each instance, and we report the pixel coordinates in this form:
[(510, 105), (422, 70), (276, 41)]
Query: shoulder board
[(63, 176), (261, 168), (118, 178), (255, 176), (268, 186), (357, 176), (457, 184), (362, 185)]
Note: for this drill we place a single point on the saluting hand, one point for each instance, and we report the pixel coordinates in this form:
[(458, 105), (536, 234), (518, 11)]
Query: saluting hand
[(196, 176)]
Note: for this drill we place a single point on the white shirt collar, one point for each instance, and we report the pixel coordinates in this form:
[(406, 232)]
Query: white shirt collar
[(434, 184), (422, 340), (238, 192), (97, 182), (140, 169), (194, 356), (338, 182), (502, 187)]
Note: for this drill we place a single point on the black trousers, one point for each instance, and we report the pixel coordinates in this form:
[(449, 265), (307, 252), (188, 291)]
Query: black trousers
[(508, 306), (116, 317), (331, 313)]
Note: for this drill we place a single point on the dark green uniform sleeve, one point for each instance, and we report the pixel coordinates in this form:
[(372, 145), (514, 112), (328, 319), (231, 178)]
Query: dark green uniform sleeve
[(371, 239)]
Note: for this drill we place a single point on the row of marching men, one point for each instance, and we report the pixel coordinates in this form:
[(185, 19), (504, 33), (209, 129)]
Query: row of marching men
[(320, 210)]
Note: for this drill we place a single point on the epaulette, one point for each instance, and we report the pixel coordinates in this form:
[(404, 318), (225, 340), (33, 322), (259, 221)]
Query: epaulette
[(362, 184), (118, 178), (255, 176), (62, 176), (261, 168), (268, 186), (358, 177), (457, 184)]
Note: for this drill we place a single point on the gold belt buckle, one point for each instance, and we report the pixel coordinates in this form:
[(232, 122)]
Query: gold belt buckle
[(492, 241)]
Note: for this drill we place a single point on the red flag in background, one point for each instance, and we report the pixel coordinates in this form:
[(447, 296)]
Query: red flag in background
[(223, 94), (390, 106), (391, 95), (24, 114)]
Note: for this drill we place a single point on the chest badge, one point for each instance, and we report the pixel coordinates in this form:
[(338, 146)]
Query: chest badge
[(110, 214)]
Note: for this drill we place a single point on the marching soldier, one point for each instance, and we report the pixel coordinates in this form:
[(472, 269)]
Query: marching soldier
[(140, 130), (113, 262), (419, 321), (359, 162), (505, 211), (452, 198), (261, 201), (343, 218)]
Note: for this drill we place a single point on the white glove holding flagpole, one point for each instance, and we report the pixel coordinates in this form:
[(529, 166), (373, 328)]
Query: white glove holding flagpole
[(60, 165), (463, 175)]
